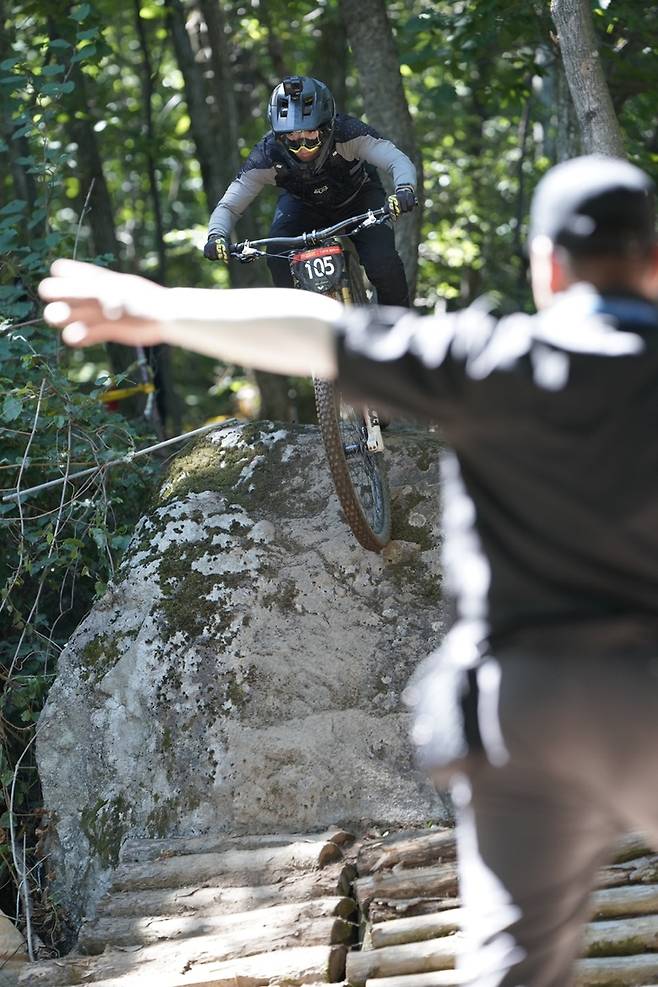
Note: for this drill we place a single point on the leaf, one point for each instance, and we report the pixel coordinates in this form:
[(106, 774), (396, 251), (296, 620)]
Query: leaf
[(8, 63), (100, 537), (11, 408), (52, 89), (80, 13), (59, 43), (85, 52), (37, 217), (13, 207)]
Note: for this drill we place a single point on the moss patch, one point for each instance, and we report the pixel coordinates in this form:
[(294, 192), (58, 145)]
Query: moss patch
[(401, 509), (161, 820), (105, 825), (223, 466), (102, 653)]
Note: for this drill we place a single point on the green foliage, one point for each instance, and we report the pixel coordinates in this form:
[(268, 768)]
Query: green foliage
[(483, 82), (60, 545)]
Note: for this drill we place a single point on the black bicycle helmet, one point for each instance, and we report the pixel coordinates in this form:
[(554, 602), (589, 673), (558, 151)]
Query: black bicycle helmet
[(301, 103)]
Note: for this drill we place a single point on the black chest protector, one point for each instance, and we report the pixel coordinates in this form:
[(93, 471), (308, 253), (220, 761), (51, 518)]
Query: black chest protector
[(332, 185)]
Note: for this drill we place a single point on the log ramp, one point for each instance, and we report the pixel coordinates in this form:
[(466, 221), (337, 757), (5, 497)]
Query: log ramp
[(225, 912), (406, 889), (291, 909)]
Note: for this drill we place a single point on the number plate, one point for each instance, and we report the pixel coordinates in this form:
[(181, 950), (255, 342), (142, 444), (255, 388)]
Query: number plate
[(320, 269)]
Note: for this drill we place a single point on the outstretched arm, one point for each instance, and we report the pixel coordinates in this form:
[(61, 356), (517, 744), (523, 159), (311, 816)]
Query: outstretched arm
[(275, 329)]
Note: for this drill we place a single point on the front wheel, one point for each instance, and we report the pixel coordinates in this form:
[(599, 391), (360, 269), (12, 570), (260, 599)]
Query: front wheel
[(358, 475)]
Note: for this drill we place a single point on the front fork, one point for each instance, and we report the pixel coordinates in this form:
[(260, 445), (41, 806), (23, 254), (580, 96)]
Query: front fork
[(374, 440)]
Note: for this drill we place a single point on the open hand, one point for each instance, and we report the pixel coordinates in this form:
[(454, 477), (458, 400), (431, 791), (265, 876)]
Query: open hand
[(94, 305)]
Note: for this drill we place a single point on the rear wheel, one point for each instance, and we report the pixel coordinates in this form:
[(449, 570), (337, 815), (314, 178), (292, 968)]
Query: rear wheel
[(358, 474)]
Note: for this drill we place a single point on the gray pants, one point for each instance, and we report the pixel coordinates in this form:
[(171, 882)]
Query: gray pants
[(582, 735)]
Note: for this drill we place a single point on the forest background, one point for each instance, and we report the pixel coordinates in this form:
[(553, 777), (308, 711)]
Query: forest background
[(121, 123)]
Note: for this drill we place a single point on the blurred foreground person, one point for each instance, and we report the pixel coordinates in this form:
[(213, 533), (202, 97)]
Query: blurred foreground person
[(541, 707)]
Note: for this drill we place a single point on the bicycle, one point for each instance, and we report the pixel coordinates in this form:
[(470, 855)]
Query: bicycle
[(352, 438)]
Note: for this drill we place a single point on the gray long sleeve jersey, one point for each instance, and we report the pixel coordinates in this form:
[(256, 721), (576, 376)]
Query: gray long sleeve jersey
[(350, 165)]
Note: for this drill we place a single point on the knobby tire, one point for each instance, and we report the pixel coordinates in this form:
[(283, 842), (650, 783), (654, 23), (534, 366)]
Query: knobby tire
[(360, 480)]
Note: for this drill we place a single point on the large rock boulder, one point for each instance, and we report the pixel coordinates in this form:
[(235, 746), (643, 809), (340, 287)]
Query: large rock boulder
[(244, 671)]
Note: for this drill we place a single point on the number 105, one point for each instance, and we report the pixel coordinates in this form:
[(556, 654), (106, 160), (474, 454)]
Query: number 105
[(320, 267)]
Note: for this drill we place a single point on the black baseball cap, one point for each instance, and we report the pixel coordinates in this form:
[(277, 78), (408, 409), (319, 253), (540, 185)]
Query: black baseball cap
[(595, 205)]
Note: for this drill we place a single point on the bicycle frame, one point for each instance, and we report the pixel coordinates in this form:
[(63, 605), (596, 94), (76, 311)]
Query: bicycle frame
[(320, 263), (249, 249)]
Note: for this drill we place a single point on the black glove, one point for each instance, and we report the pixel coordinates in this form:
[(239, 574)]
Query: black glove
[(403, 200), (216, 248)]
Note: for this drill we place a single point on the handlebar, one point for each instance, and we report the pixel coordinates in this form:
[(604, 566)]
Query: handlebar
[(250, 248)]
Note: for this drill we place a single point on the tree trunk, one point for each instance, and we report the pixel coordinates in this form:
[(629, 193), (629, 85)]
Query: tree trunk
[(95, 203), (331, 56), (24, 185), (589, 90), (221, 123), (151, 143), (213, 173), (373, 47)]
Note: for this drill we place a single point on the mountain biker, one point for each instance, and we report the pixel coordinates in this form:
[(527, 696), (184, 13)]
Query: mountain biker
[(325, 164), (545, 693)]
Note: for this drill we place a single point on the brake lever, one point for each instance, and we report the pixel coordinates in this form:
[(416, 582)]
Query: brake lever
[(247, 253)]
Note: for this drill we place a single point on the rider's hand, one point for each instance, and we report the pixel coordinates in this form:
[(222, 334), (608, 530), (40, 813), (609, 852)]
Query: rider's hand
[(216, 248), (403, 200)]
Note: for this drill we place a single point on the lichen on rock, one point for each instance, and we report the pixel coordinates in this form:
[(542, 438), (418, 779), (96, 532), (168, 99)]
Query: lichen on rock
[(244, 671)]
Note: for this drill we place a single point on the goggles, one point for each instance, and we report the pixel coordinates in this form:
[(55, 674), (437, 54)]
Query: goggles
[(302, 143)]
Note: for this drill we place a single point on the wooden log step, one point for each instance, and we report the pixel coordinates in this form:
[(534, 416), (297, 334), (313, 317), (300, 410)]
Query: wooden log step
[(632, 899), (617, 971), (422, 882), (630, 971), (112, 931), (640, 870), (235, 867), (140, 850), (412, 957), (416, 928), (413, 848), (300, 965), (226, 953), (443, 978), (387, 911), (629, 847), (210, 898), (622, 937)]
